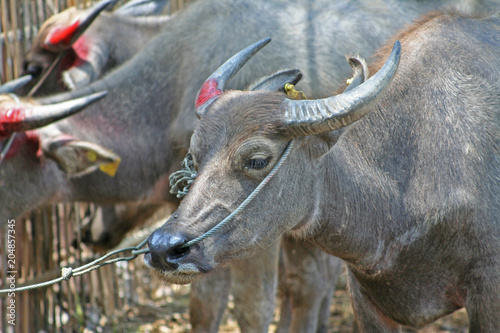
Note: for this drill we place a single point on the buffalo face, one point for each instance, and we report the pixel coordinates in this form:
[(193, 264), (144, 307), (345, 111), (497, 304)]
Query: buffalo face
[(231, 163)]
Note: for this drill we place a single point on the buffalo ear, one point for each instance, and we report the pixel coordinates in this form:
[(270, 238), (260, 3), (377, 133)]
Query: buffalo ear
[(78, 158), (142, 8), (88, 70), (277, 81), (360, 72)]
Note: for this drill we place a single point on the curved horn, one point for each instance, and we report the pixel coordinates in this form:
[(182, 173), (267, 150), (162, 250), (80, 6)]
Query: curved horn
[(20, 119), (68, 35), (99, 85), (14, 84), (215, 84), (91, 16), (142, 8), (305, 117)]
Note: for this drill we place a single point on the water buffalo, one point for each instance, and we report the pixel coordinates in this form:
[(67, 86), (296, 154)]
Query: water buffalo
[(90, 43), (402, 185), (163, 80), (113, 38)]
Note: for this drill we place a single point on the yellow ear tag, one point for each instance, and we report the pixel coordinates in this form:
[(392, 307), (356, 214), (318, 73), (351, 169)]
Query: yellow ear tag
[(110, 168), (91, 156), (292, 93), (349, 81)]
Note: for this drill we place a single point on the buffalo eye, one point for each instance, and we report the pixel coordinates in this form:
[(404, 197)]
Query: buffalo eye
[(257, 163)]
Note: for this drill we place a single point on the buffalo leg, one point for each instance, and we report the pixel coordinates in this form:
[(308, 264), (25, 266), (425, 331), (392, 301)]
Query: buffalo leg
[(483, 302), (254, 289), (208, 301), (332, 268), (284, 297), (310, 279), (368, 319)]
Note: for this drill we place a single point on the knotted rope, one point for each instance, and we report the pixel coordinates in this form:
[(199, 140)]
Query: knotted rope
[(183, 178), (68, 272), (186, 175)]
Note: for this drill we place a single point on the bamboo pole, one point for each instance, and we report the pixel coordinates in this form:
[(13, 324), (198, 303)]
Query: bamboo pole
[(68, 287), (36, 266), (23, 267), (52, 240), (15, 50), (5, 31)]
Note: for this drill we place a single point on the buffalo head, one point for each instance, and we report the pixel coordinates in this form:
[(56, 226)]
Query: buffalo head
[(28, 140), (240, 138), (58, 34)]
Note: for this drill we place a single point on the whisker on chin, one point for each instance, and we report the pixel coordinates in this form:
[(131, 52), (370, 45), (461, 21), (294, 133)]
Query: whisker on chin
[(175, 277)]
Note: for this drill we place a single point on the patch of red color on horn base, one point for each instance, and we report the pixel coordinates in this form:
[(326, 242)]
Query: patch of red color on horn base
[(77, 55), (61, 35), (11, 120), (208, 91), (81, 47)]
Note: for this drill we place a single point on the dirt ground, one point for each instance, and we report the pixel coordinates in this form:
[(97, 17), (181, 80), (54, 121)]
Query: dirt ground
[(167, 313)]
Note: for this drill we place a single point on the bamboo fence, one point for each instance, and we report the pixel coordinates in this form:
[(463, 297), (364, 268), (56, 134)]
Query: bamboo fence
[(50, 237)]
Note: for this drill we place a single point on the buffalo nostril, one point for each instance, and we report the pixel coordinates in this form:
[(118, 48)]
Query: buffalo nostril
[(178, 253), (33, 70), (166, 250)]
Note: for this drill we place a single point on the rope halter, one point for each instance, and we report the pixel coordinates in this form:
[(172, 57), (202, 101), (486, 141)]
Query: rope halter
[(187, 175)]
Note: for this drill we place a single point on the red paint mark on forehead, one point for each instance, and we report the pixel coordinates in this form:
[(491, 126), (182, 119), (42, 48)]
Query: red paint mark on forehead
[(11, 120), (60, 35), (208, 91)]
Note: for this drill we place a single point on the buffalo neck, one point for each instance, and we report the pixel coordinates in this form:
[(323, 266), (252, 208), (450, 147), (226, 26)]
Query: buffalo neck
[(362, 221)]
